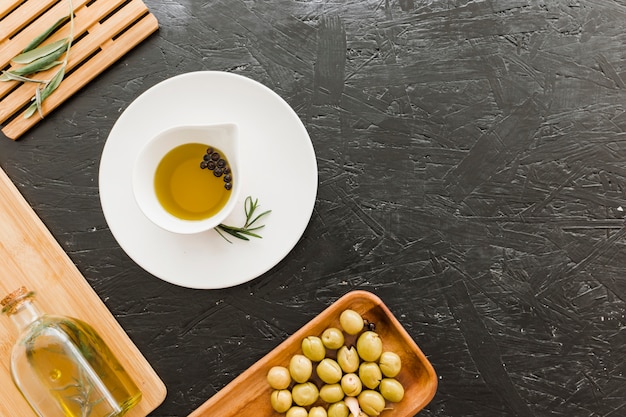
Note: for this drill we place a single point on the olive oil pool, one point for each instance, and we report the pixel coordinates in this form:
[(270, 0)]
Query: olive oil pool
[(193, 182)]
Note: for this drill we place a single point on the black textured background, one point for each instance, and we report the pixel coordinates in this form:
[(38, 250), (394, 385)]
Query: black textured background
[(472, 167)]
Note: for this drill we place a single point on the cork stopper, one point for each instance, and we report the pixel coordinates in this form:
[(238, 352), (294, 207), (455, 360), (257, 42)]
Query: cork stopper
[(11, 302)]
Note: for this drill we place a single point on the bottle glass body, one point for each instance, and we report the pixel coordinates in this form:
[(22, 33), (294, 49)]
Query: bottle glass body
[(63, 368)]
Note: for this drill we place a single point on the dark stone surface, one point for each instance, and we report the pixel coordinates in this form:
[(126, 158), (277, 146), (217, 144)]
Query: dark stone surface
[(472, 171)]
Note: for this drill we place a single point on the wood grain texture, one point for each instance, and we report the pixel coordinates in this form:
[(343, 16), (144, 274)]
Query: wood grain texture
[(32, 258), (471, 161)]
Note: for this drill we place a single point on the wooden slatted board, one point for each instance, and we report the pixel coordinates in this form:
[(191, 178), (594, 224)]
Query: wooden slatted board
[(104, 30), (30, 256)]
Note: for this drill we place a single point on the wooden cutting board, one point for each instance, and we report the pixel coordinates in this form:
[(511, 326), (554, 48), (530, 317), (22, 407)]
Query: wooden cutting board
[(104, 30), (30, 256)]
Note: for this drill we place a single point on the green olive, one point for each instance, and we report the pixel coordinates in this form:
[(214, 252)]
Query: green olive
[(370, 374), (391, 389), (305, 394), (313, 348), (369, 346), (278, 377), (296, 411), (332, 338), (300, 368), (390, 364), (331, 393), (351, 385), (317, 412), (338, 409), (351, 321), (329, 371), (281, 400), (371, 402), (348, 359)]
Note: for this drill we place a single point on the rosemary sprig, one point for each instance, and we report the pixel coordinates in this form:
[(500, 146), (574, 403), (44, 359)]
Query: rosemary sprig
[(246, 230), (80, 393)]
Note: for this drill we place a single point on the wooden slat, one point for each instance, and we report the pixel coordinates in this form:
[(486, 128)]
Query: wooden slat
[(31, 257), (6, 6), (96, 45), (22, 16)]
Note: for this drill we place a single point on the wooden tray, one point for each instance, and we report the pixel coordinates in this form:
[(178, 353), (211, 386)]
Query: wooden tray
[(30, 256), (104, 30), (249, 393)]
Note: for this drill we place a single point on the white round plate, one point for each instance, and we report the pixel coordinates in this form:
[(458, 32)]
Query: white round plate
[(278, 168)]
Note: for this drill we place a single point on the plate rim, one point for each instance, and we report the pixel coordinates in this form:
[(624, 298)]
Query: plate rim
[(311, 179)]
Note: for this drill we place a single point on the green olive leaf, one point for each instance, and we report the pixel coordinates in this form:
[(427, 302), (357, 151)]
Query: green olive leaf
[(41, 95), (40, 52), (36, 59), (38, 101), (40, 64), (51, 65), (44, 35), (8, 76)]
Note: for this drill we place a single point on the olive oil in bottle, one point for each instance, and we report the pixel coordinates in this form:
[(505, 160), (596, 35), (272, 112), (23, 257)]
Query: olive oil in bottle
[(63, 367)]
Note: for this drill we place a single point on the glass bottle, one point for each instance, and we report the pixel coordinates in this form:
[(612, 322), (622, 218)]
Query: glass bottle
[(62, 367)]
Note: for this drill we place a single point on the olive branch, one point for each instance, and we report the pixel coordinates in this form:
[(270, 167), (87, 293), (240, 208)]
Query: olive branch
[(36, 58)]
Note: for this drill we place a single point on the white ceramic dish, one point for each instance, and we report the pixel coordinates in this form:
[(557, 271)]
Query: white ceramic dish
[(276, 159), (221, 136)]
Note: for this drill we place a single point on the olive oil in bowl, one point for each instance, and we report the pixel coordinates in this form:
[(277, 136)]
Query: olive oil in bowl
[(187, 191), (187, 179)]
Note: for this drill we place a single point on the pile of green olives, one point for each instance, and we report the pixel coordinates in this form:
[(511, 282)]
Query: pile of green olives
[(318, 381)]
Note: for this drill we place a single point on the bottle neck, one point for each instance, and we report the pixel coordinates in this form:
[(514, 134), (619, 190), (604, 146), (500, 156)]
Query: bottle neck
[(24, 315)]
